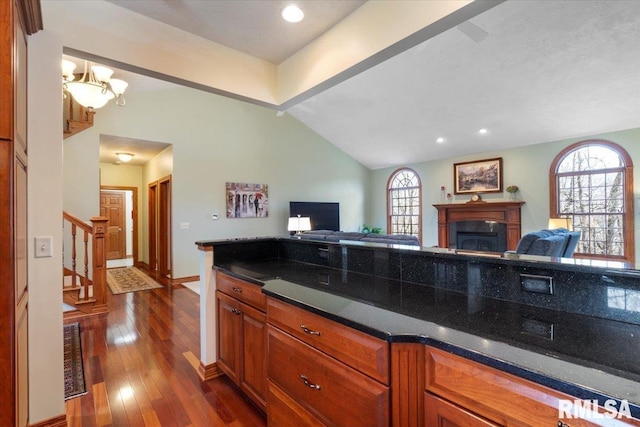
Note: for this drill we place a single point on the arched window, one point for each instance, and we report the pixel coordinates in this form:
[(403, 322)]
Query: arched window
[(591, 182), (404, 204)]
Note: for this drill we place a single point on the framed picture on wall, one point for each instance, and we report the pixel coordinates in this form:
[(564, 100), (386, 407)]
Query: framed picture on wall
[(479, 176), (247, 200)]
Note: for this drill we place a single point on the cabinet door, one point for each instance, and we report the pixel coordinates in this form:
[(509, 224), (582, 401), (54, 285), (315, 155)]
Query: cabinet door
[(228, 335), (253, 375), (440, 413)]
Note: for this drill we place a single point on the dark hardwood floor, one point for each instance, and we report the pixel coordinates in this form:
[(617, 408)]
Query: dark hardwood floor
[(140, 365)]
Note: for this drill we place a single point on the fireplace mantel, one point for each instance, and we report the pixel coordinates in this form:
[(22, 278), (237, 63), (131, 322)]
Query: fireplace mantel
[(504, 212)]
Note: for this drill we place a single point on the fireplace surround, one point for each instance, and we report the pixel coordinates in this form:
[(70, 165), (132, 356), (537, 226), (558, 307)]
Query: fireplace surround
[(485, 222)]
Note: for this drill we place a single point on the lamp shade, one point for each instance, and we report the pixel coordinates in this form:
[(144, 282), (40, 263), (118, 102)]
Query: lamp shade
[(89, 95), (298, 224), (560, 223)]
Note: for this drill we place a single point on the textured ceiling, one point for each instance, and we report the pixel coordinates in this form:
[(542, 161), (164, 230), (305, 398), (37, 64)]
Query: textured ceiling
[(528, 71), (546, 71), (250, 26)]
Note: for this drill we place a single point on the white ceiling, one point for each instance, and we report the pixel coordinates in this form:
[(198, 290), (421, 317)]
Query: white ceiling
[(528, 71)]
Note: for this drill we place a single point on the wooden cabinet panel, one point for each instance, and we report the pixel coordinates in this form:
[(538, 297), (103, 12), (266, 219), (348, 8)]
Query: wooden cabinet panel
[(331, 390), (228, 336), (498, 396), (253, 375), (246, 292), (361, 351), (440, 413), (286, 412), (6, 70), (242, 346)]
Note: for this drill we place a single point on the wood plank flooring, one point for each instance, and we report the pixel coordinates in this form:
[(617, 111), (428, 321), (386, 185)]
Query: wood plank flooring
[(140, 368)]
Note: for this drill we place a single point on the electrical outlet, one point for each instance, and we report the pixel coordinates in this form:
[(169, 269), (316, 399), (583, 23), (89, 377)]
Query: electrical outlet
[(44, 247)]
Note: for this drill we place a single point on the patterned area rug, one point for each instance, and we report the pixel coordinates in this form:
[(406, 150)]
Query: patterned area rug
[(129, 279), (73, 369)]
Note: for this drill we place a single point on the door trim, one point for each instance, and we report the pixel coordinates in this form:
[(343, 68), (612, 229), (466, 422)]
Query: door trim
[(134, 213)]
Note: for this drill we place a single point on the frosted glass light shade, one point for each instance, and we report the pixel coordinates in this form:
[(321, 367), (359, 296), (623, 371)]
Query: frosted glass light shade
[(89, 95), (124, 157), (67, 70), (118, 86), (102, 74)]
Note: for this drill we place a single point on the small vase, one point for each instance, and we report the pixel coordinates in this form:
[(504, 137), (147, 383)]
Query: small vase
[(512, 196)]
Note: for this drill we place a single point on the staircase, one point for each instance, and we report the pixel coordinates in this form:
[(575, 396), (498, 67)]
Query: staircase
[(85, 290), (76, 118)]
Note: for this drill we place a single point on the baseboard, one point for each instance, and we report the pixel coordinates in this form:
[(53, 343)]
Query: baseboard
[(209, 372), (142, 266), (59, 421), (181, 280)]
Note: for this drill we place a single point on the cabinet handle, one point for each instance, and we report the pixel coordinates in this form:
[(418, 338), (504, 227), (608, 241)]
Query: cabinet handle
[(309, 331), (235, 289), (235, 311), (308, 383)]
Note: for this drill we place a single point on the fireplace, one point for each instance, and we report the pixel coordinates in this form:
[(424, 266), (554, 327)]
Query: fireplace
[(486, 236), (490, 226)]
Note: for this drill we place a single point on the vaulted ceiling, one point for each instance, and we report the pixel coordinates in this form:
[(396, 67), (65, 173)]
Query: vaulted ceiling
[(527, 71)]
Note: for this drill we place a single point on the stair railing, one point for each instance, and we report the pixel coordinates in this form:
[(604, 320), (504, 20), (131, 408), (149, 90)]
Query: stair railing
[(92, 281)]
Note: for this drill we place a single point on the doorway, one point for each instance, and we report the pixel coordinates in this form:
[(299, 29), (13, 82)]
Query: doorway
[(120, 206), (160, 260)]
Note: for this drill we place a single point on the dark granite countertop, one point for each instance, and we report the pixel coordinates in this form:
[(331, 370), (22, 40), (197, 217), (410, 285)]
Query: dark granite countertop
[(585, 356)]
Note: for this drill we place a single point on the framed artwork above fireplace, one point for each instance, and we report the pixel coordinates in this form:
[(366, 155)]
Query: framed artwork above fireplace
[(479, 176)]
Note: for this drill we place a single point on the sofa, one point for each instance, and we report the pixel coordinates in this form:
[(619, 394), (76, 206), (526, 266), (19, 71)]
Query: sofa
[(558, 242), (334, 236)]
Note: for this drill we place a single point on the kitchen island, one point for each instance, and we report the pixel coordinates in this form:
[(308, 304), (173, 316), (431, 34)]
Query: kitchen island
[(567, 326)]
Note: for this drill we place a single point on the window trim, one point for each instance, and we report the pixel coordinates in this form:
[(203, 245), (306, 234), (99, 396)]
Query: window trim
[(628, 215), (389, 215)]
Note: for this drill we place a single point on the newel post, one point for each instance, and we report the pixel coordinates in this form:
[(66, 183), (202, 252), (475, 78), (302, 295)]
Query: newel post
[(99, 225)]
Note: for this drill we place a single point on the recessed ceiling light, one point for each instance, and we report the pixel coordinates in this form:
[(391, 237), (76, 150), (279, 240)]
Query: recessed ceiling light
[(292, 13), (440, 140), (483, 131)]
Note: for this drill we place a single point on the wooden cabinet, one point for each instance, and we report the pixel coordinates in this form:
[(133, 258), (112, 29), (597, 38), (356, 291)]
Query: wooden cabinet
[(472, 394), (324, 373), (242, 336), (18, 19), (440, 413)]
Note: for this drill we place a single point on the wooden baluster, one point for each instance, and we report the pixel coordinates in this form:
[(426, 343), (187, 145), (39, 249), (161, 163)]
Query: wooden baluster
[(100, 224), (74, 273), (86, 265)]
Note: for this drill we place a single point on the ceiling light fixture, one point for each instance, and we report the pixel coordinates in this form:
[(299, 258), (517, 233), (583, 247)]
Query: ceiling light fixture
[(440, 140), (124, 157), (292, 13), (483, 131), (95, 88)]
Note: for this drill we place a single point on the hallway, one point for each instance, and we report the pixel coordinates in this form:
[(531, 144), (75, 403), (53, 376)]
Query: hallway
[(140, 365)]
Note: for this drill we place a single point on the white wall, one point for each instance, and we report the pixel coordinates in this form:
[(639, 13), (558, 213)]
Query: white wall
[(46, 382), (527, 167), (215, 140)]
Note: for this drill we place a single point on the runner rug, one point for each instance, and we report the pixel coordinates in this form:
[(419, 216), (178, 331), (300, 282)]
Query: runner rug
[(129, 279), (73, 369)]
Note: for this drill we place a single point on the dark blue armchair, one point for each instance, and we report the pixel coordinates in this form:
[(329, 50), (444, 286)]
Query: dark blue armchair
[(558, 242)]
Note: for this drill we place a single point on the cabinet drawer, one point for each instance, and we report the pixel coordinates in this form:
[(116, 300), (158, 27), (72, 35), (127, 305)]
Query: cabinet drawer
[(285, 412), (501, 397), (363, 352), (249, 293), (335, 393), (438, 412)]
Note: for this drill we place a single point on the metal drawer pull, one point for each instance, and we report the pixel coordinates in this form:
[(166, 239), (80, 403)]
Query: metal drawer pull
[(309, 331), (309, 384), (235, 289), (235, 311)]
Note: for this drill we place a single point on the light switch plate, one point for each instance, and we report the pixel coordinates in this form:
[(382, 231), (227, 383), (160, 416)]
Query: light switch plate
[(43, 246)]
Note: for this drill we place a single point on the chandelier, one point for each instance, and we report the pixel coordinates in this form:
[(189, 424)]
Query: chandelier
[(95, 88)]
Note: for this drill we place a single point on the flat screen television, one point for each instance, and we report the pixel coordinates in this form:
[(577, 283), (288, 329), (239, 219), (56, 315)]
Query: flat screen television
[(323, 215)]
